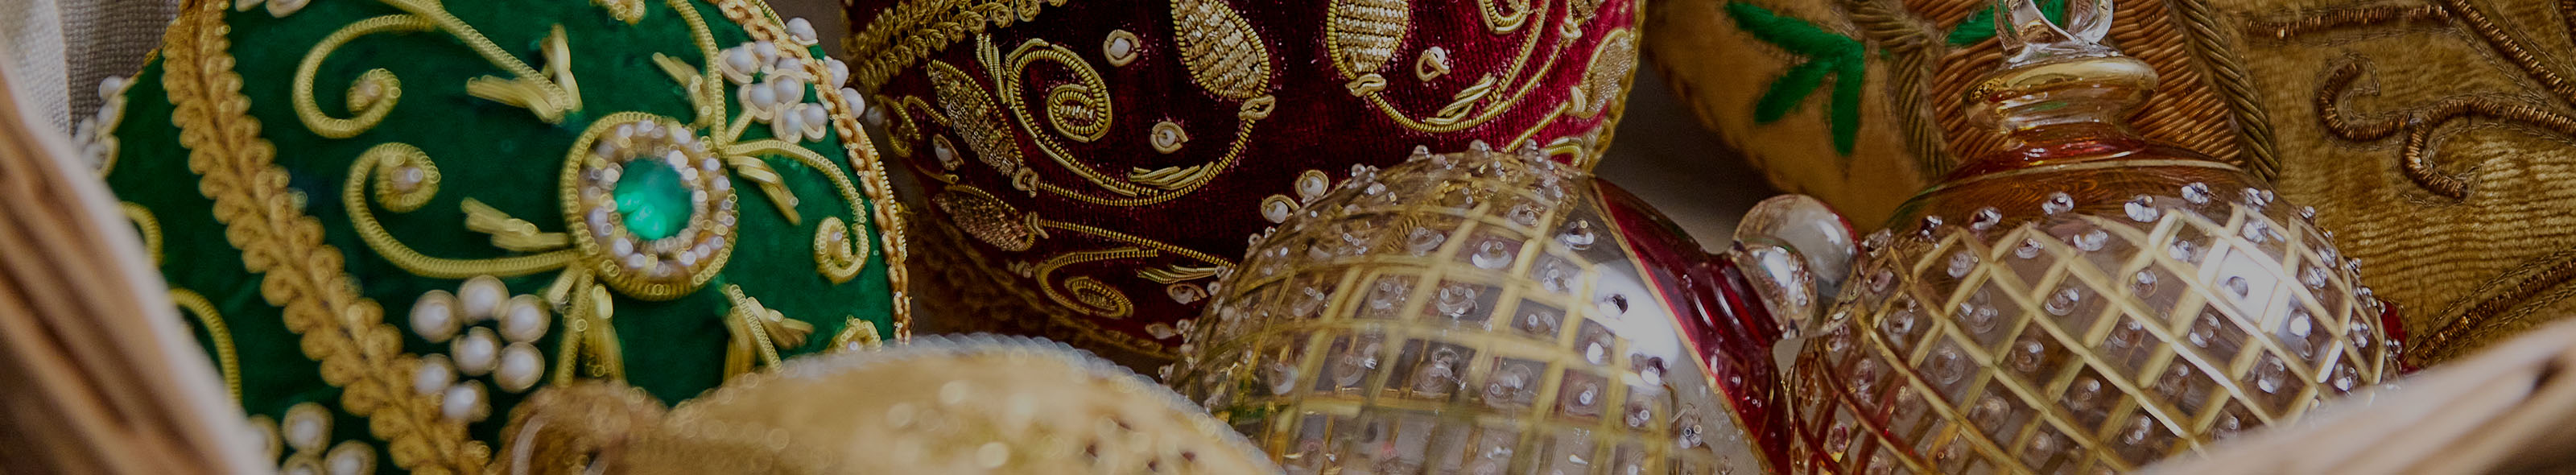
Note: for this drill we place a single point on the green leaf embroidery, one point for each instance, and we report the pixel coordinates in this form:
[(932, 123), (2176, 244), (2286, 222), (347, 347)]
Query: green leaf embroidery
[(1827, 53), (1789, 89), (1980, 26)]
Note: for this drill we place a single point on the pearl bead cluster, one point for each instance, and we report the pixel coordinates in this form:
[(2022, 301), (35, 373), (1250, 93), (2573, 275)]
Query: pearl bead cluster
[(509, 355), (677, 260), (771, 87), (97, 135), (307, 429)]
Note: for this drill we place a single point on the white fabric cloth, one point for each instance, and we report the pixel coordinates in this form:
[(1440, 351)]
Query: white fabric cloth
[(31, 32), (59, 50)]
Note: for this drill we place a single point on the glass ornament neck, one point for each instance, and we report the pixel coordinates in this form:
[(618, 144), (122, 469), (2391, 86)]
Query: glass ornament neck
[(2061, 96)]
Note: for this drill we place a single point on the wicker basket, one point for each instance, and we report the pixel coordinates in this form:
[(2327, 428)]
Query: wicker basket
[(2506, 410)]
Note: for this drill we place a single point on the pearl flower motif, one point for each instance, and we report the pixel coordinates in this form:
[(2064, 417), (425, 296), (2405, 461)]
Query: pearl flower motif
[(489, 332), (771, 87)]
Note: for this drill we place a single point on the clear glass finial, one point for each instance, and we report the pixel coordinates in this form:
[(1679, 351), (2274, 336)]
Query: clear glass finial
[(2029, 37)]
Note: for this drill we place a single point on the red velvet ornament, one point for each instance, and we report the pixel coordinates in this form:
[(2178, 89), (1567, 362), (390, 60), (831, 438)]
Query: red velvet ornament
[(1086, 166)]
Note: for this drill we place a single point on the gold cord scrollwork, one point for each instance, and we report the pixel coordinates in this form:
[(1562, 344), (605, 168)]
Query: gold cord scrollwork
[(1491, 94), (970, 112), (1086, 98), (374, 93), (629, 11), (837, 255), (386, 158), (147, 226), (226, 358), (1504, 16), (1083, 292)]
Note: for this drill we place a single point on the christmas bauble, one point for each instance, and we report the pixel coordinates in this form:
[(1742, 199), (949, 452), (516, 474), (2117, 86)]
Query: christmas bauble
[(940, 404), (1485, 312), (1087, 165), (390, 220), (2427, 134), (2085, 301)]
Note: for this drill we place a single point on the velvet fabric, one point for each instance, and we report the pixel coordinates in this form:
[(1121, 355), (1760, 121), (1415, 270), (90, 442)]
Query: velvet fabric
[(1076, 218), (494, 153)]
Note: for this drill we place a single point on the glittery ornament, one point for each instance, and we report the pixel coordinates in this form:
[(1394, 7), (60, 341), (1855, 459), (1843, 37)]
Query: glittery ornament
[(2117, 302), (1492, 312)]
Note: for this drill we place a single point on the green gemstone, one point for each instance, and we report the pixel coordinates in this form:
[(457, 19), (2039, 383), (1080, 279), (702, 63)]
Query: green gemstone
[(654, 201)]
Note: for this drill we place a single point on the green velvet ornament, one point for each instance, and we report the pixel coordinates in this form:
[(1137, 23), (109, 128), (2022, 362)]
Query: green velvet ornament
[(326, 184)]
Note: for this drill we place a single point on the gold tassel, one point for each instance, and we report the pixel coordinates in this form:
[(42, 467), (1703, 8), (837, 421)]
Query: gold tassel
[(752, 168), (589, 348), (550, 101), (758, 333)]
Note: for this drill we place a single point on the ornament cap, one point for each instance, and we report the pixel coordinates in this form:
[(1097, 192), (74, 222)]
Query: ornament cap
[(2060, 96)]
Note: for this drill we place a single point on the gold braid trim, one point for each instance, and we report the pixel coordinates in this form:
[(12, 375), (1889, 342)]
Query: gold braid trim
[(1914, 54), (907, 33), (299, 274), (761, 24), (2227, 74)]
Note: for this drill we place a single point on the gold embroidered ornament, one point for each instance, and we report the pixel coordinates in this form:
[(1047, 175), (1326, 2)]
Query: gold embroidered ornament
[(1093, 161), (674, 215)]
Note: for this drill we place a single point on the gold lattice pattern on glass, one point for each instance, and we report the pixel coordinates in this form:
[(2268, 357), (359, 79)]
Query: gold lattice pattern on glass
[(1468, 321), (2084, 344)]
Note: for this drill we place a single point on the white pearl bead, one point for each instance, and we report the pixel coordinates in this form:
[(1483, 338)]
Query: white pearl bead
[(766, 50), (1121, 47), (853, 101), (475, 352), (481, 297), (110, 87), (789, 125), (350, 458), (789, 90), (520, 366), (760, 96), (814, 115), (801, 30), (463, 402), (306, 433), (739, 61), (524, 320), (836, 71), (433, 316), (435, 373)]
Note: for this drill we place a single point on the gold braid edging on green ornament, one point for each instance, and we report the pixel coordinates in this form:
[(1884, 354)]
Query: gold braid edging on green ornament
[(862, 154), (301, 275)]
